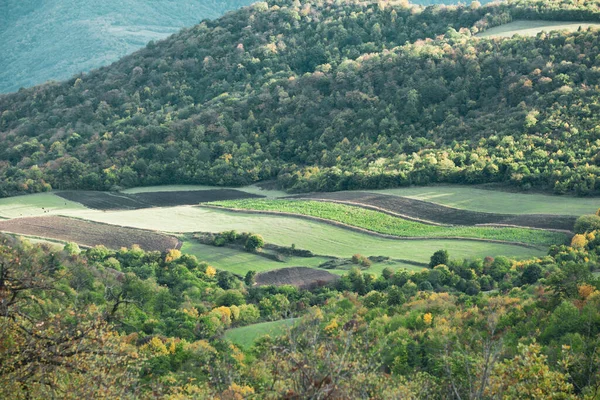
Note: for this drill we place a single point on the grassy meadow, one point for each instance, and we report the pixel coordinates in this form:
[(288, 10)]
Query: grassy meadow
[(495, 201), (247, 335), (320, 238), (386, 224), (36, 204), (174, 188), (532, 28)]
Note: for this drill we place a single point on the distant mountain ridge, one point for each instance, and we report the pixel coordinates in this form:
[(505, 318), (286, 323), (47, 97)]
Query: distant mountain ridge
[(43, 40)]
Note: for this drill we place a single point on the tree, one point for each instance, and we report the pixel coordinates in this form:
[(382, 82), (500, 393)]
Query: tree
[(231, 298), (226, 280), (387, 273), (249, 279), (254, 242), (439, 257), (51, 346), (528, 376), (500, 267), (531, 274)]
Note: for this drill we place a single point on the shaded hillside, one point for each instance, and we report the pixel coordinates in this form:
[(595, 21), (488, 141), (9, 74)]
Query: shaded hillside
[(55, 39), (323, 97)]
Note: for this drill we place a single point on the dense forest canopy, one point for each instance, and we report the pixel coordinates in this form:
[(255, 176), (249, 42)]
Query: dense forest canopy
[(56, 39), (324, 96)]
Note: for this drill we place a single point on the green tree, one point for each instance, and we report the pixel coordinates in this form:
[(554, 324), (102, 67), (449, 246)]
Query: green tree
[(249, 279), (439, 257)]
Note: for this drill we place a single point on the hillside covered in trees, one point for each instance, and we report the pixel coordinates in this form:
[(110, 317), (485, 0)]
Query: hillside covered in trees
[(56, 39), (134, 324), (324, 96)]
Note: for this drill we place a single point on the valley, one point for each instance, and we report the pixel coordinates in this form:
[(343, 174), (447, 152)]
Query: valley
[(300, 199)]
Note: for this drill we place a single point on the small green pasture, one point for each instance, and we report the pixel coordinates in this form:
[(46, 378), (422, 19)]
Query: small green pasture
[(386, 224), (247, 335), (254, 189), (240, 262), (495, 201), (532, 28), (35, 205)]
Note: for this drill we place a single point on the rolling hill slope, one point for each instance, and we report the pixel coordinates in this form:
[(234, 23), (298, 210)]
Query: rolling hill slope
[(324, 96), (56, 39)]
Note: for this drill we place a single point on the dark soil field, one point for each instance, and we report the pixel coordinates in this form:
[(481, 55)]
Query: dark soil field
[(182, 198), (120, 201), (104, 200), (426, 211), (87, 233), (301, 277)]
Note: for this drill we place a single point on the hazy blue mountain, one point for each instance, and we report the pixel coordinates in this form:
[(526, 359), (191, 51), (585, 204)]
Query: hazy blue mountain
[(44, 40)]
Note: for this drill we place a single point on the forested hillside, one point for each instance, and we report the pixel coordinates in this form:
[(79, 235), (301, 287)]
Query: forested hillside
[(324, 96), (55, 39), (134, 324)]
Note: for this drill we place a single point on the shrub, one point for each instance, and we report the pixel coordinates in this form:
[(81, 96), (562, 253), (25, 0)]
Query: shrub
[(361, 260), (72, 249), (587, 223), (254, 242)]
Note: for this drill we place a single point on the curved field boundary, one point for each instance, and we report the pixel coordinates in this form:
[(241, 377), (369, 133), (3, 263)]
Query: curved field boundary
[(365, 231), (89, 233), (379, 209), (422, 211), (566, 232)]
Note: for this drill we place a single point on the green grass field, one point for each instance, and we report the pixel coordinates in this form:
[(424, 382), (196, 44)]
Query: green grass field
[(464, 197), (240, 262), (532, 28), (383, 223), (172, 188), (320, 238), (495, 201), (247, 335), (36, 204)]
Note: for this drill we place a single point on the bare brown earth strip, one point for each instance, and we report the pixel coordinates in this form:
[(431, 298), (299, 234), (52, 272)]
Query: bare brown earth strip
[(425, 211), (365, 231), (87, 233), (301, 277), (104, 200), (123, 201), (183, 198)]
